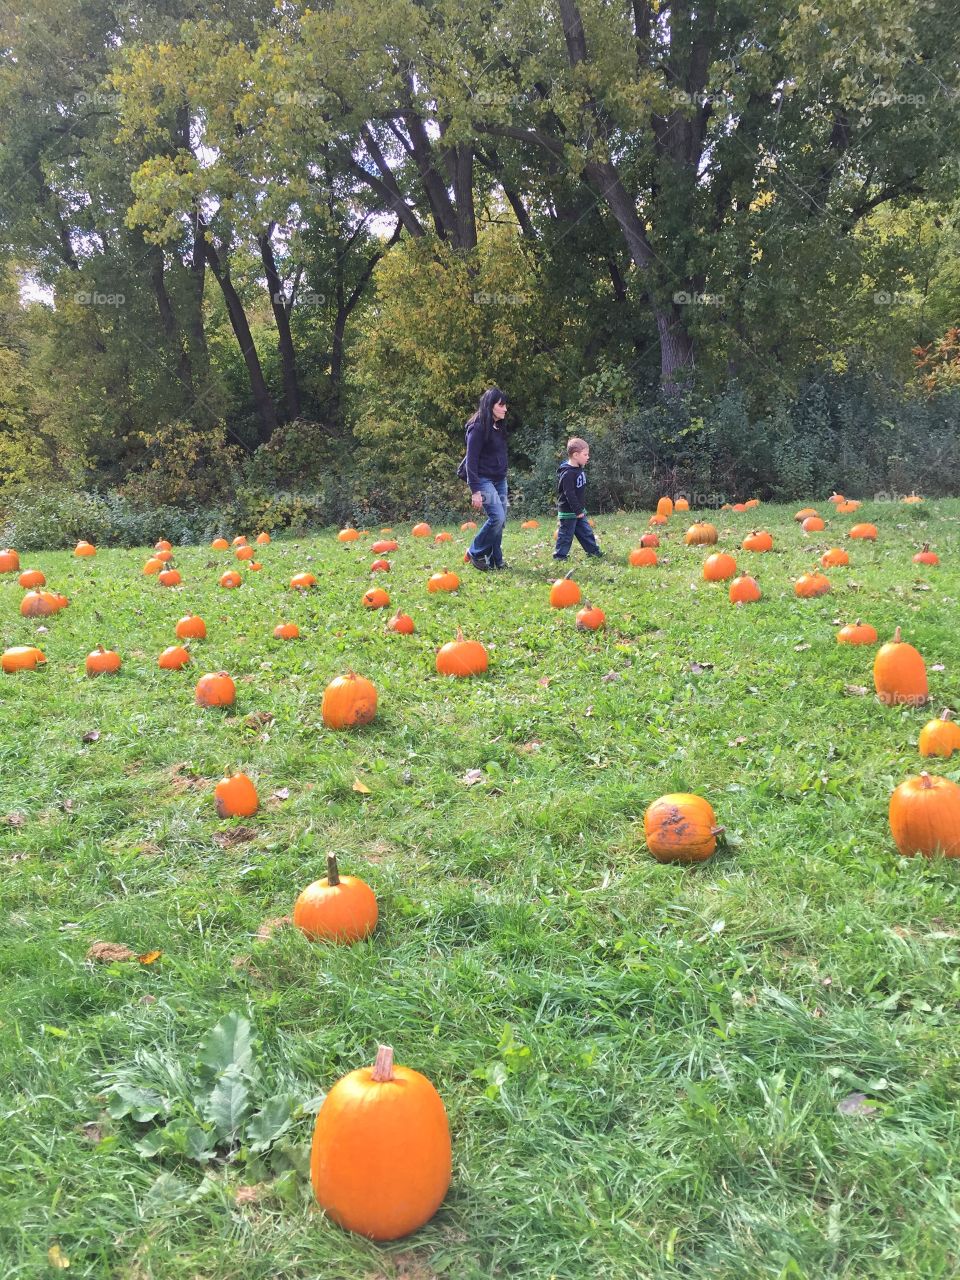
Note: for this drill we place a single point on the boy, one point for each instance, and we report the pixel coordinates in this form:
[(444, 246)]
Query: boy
[(571, 507)]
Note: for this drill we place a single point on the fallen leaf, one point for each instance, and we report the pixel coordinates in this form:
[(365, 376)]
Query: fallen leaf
[(937, 666), (150, 957), (610, 677), (92, 735), (799, 648), (544, 681), (15, 819), (269, 927), (856, 1104), (281, 793), (256, 719), (234, 835), (92, 1132), (921, 586), (57, 1258), (67, 805), (697, 667), (856, 690), (108, 952), (737, 742), (529, 748), (249, 1195), (472, 777), (361, 787)]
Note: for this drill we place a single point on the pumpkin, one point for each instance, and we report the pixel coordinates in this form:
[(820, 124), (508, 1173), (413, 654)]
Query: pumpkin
[(220, 544), (900, 673), (926, 556), (739, 506), (744, 590), (665, 507), (804, 513), (701, 533), (940, 737), (337, 909), (564, 592), (590, 618), (421, 530), (468, 525), (719, 567), (461, 657), (401, 623), (286, 631), (163, 556), (348, 701), (171, 578), (911, 498), (41, 604), (751, 503), (385, 545), (811, 584), (848, 508), (153, 566), (681, 504), (9, 561), (530, 524), (835, 557), (386, 529), (216, 689), (302, 582), (244, 553), (102, 662), (230, 580), (445, 581), (191, 627), (263, 539), (813, 524), (680, 828), (239, 540), (32, 578), (236, 797), (649, 540), (375, 598), (656, 520), (836, 497), (254, 566), (22, 657), (857, 633), (925, 817), (380, 566), (174, 658), (385, 1127), (865, 531), (642, 556), (443, 536), (84, 549), (758, 540), (348, 535)]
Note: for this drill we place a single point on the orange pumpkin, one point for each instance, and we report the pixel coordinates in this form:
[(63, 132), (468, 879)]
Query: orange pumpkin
[(804, 513), (811, 584), (286, 631), (401, 623), (468, 525), (244, 553), (649, 540), (84, 549), (444, 581), (380, 566), (254, 566), (220, 544), (216, 689), (32, 578), (758, 540), (744, 590), (813, 524), (739, 506), (152, 567), (163, 545), (940, 737), (385, 545), (665, 507), (171, 578), (22, 657), (656, 520), (834, 558), (681, 828), (230, 580), (348, 702), (163, 556), (900, 673), (564, 592), (443, 536), (41, 604), (836, 497), (9, 561), (174, 658), (102, 662), (386, 1127), (857, 633), (642, 556), (719, 567), (925, 817), (337, 908), (848, 508), (681, 504), (530, 524), (461, 657), (191, 627), (302, 582), (348, 535), (375, 598), (911, 498), (701, 533), (751, 503), (590, 618), (864, 531), (236, 797), (421, 530), (926, 556), (239, 540), (263, 539)]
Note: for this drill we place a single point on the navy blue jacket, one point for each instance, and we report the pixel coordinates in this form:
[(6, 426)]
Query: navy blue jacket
[(571, 489), (486, 455)]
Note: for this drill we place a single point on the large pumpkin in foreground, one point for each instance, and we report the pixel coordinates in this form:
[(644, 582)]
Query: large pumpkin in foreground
[(681, 828), (925, 816), (381, 1160), (337, 908), (349, 701)]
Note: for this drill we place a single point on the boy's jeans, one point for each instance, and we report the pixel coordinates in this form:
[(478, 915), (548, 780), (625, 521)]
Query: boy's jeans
[(490, 534), (578, 528)]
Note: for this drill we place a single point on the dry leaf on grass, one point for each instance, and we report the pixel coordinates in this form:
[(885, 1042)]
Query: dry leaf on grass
[(472, 777), (235, 835), (251, 1194), (57, 1258), (269, 927), (150, 957), (363, 789), (281, 793), (856, 690), (92, 735), (15, 819), (108, 952), (856, 1104)]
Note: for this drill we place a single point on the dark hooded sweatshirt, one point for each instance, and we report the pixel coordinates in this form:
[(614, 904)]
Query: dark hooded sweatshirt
[(486, 455), (571, 491)]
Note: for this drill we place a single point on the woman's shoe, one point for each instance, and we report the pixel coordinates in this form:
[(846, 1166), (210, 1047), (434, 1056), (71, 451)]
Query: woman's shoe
[(478, 562)]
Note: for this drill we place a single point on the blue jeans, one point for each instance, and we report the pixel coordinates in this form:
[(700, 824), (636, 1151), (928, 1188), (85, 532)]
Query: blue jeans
[(579, 529), (490, 534)]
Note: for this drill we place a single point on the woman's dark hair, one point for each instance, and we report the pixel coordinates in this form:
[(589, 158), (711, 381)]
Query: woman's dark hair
[(484, 414)]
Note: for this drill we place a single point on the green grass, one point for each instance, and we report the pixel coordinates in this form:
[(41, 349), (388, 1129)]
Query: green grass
[(642, 1064)]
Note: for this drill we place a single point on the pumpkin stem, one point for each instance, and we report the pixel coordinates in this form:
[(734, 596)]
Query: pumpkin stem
[(459, 635), (926, 546), (717, 831), (568, 574), (925, 781), (896, 636), (333, 871), (382, 1069), (946, 713)]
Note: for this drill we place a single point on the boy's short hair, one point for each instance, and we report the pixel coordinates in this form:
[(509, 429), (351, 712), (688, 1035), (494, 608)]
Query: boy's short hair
[(576, 445)]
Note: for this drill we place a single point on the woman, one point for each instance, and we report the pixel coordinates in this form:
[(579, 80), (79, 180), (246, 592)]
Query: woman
[(485, 471)]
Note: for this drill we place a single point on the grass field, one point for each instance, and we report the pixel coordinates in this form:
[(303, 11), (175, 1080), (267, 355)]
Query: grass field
[(650, 1071)]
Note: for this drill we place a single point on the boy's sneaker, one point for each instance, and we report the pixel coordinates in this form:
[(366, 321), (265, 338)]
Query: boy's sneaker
[(478, 562), (501, 565)]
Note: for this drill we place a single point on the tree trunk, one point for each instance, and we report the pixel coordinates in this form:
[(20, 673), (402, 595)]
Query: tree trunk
[(288, 359)]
